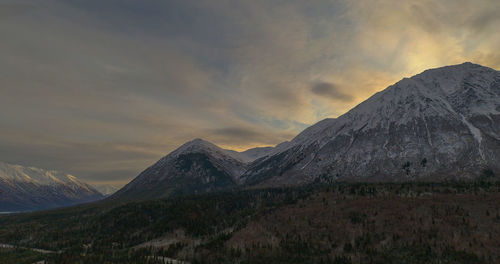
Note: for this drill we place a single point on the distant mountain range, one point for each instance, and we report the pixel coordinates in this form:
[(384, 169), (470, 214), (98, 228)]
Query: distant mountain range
[(29, 188), (441, 124)]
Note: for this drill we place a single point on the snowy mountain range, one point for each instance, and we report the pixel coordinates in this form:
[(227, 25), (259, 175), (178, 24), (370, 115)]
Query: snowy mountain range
[(441, 124), (29, 188)]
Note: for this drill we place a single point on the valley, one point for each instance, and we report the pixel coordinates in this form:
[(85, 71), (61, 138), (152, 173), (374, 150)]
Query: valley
[(249, 132), (454, 222)]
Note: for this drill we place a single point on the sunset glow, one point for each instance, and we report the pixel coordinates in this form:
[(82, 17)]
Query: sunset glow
[(102, 89)]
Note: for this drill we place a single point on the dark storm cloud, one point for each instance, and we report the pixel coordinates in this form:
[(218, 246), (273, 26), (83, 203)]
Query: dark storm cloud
[(331, 90)]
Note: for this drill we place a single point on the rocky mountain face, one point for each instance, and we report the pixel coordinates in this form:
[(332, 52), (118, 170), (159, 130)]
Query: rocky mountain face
[(195, 167), (441, 124), (29, 188)]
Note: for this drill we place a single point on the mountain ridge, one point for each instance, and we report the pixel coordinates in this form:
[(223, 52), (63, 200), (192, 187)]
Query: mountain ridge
[(196, 166), (466, 95), (30, 188), (443, 123)]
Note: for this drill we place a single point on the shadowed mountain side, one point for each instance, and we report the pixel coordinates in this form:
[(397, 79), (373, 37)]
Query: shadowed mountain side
[(197, 166)]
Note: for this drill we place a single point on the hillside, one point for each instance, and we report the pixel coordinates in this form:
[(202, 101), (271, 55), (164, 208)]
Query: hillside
[(196, 167)]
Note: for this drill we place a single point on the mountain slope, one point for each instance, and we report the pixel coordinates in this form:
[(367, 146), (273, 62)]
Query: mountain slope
[(195, 167), (106, 189), (252, 154), (29, 188), (442, 123)]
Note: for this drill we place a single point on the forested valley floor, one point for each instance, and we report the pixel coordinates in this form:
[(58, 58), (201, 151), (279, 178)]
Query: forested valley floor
[(454, 222)]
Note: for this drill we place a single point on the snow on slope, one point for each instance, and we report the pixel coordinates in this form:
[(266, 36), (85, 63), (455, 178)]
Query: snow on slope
[(426, 94), (20, 174), (442, 123), (200, 145), (448, 116), (252, 154), (196, 166), (30, 188)]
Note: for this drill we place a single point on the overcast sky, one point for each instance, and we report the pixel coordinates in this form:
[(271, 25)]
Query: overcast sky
[(104, 88)]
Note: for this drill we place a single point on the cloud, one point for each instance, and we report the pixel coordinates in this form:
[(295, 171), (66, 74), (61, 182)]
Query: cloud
[(78, 157), (330, 90), (9, 8), (103, 88), (246, 137), (237, 133)]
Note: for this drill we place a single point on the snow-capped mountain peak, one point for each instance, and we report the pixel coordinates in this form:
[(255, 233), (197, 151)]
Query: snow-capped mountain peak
[(441, 116), (34, 188), (202, 146), (442, 123), (460, 90)]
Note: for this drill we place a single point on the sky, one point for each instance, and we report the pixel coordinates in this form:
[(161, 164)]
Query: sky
[(102, 89)]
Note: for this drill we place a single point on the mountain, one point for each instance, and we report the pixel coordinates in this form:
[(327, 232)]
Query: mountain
[(29, 188), (441, 124), (256, 153), (197, 166), (105, 189)]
